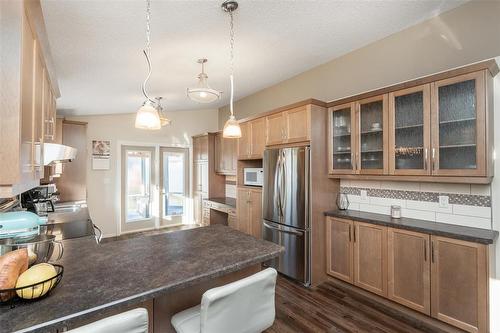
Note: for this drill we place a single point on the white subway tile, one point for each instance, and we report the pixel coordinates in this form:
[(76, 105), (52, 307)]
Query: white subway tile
[(365, 183), (401, 186), (427, 206), (353, 206), (387, 201), (353, 198), (477, 211), (418, 214), (479, 189), (231, 191), (468, 221), (445, 188), (375, 209)]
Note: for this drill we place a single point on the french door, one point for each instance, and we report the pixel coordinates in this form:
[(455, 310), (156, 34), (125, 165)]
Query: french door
[(137, 186), (174, 180)]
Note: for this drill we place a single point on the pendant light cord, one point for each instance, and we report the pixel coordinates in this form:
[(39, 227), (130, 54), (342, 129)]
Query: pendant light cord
[(231, 64), (147, 50)]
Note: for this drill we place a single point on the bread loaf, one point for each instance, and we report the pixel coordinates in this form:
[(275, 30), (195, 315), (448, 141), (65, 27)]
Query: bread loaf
[(12, 265)]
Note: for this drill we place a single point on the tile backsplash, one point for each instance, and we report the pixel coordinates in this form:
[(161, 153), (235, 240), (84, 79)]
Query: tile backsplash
[(468, 205)]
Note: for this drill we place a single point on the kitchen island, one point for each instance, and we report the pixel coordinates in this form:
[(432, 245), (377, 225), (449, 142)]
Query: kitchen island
[(164, 273)]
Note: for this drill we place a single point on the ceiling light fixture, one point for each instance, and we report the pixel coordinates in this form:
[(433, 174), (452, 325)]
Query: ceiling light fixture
[(232, 127), (203, 93), (150, 115)]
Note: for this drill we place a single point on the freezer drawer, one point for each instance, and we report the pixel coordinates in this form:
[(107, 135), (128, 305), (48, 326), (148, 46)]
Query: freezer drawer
[(295, 260)]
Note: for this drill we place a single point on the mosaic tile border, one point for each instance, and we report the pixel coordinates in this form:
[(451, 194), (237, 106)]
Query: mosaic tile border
[(458, 199)]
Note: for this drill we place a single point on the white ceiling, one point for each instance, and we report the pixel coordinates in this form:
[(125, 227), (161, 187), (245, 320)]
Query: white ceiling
[(97, 45)]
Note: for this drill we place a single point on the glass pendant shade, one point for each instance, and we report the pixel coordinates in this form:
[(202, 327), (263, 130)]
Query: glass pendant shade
[(232, 129), (147, 117), (202, 93)]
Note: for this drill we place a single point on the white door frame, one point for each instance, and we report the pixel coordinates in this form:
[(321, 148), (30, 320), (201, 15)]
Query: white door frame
[(155, 185)]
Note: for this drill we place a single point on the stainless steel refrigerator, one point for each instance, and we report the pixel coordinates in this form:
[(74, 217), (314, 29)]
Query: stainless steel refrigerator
[(286, 209)]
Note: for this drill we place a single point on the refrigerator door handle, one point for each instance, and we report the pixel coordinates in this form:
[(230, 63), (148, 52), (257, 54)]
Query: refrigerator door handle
[(277, 190), (293, 232), (283, 182)]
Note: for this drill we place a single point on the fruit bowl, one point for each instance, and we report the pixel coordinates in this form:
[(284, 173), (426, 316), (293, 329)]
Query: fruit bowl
[(33, 291)]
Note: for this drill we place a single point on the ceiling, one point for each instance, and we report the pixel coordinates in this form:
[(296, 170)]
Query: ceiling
[(97, 45)]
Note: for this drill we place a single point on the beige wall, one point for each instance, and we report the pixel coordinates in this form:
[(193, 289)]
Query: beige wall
[(103, 191), (467, 34)]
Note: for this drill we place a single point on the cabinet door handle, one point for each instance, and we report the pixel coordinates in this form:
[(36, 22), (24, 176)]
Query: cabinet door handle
[(354, 234), (426, 153), (349, 233), (432, 252), (425, 251), (433, 159)]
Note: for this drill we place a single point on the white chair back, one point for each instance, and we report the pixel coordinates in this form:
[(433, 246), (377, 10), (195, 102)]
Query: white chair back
[(133, 321), (244, 306)]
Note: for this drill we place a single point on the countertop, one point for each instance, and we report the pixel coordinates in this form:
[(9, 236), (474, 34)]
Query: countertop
[(477, 235), (120, 273), (231, 202)]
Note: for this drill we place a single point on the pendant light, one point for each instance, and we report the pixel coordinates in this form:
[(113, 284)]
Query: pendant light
[(203, 93), (232, 127), (149, 116)]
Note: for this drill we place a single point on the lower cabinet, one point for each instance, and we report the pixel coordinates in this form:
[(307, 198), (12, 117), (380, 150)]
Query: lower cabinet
[(249, 211), (340, 249), (370, 257), (437, 276), (409, 269), (459, 280)]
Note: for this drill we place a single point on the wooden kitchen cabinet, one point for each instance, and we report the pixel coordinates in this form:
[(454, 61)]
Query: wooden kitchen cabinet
[(225, 155), (251, 145), (342, 139), (200, 147), (459, 126), (249, 211), (459, 282), (340, 249), (409, 269), (437, 128), (370, 257), (22, 128), (410, 131), (289, 126)]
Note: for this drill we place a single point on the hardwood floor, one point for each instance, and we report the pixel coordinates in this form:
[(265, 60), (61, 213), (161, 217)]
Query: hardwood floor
[(327, 308)]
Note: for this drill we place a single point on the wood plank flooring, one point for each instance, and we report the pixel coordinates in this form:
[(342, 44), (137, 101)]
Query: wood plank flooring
[(328, 308)]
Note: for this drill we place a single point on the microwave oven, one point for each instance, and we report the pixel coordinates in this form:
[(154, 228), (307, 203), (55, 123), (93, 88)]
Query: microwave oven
[(253, 176)]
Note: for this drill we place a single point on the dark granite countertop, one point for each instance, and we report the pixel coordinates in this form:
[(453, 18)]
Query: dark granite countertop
[(116, 274), (477, 235), (231, 202)]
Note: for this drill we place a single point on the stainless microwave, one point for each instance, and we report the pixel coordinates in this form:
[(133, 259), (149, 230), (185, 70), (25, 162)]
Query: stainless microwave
[(253, 176)]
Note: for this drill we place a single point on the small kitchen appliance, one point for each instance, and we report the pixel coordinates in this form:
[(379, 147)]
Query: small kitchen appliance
[(253, 176)]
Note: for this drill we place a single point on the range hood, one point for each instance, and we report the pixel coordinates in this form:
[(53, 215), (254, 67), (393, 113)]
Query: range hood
[(55, 153)]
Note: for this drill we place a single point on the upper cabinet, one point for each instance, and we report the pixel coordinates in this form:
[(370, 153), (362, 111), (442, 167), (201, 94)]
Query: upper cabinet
[(289, 126), (252, 142), (31, 103), (371, 126), (459, 126), (438, 129), (409, 131), (225, 155)]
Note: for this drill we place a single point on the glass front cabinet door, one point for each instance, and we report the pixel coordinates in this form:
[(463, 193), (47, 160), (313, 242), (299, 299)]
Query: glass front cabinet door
[(459, 126), (409, 131), (342, 133), (372, 135)]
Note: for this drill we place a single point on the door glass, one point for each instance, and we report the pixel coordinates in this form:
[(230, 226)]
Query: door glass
[(409, 131), (457, 125), (173, 183), (138, 185), (372, 139), (342, 139)]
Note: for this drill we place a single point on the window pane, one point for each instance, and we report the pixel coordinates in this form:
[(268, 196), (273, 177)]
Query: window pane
[(173, 183), (342, 139), (138, 181), (372, 139)]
